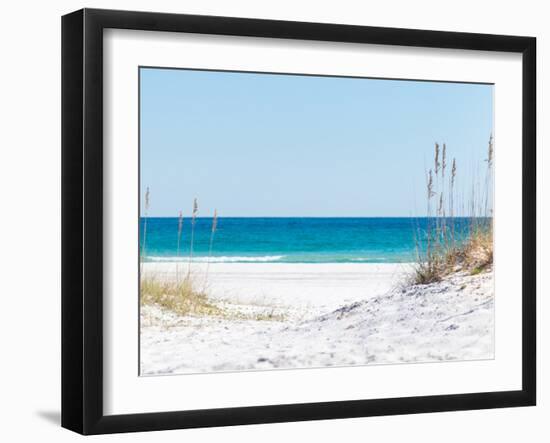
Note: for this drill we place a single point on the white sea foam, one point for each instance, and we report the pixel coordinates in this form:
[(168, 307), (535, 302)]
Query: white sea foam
[(220, 259), (368, 259)]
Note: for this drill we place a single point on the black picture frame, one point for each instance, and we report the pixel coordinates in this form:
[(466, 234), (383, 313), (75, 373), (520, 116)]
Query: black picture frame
[(82, 215)]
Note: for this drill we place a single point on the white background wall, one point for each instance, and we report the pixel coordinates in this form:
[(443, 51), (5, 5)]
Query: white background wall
[(30, 217)]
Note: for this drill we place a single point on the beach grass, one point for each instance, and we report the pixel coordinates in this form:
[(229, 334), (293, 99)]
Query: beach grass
[(443, 251), (184, 298), (474, 255), (184, 295), (179, 296)]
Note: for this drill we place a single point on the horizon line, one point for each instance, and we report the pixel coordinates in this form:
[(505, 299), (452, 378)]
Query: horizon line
[(320, 216)]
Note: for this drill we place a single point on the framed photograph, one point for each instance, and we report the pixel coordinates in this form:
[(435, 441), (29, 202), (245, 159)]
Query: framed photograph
[(268, 221)]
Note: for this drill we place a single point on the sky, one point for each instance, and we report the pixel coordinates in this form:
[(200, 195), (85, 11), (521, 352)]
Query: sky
[(277, 145)]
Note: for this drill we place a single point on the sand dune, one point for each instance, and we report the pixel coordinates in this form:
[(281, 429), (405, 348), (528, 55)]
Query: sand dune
[(331, 315)]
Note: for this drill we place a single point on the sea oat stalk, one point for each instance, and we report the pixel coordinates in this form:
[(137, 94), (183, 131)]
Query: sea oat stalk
[(443, 213), (145, 215), (180, 228), (193, 221), (451, 200), (436, 159), (437, 166), (212, 232), (489, 176)]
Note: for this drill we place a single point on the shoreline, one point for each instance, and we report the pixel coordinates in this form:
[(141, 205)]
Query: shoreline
[(316, 288)]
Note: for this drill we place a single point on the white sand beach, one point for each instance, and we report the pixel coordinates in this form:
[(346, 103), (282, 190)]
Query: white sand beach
[(319, 315)]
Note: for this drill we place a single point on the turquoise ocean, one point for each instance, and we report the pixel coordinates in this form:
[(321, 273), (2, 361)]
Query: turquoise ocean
[(289, 240)]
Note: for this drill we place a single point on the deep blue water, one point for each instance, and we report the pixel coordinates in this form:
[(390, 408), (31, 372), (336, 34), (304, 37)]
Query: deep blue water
[(289, 240)]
